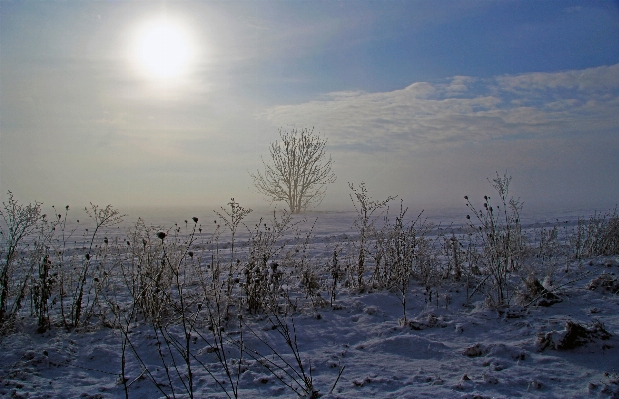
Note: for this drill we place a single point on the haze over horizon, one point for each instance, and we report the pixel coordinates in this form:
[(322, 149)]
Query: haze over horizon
[(421, 99)]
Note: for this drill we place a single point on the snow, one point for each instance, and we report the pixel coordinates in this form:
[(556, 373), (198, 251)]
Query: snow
[(450, 347)]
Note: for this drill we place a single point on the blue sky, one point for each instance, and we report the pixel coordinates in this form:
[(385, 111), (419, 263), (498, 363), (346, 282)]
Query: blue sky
[(421, 99)]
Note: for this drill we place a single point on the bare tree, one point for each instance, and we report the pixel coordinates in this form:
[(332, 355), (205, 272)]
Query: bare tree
[(299, 171)]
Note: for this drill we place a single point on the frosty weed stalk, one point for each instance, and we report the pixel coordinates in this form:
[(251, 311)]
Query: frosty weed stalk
[(365, 207)]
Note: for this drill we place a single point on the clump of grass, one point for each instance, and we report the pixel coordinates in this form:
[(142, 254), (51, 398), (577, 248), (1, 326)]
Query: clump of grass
[(597, 236)]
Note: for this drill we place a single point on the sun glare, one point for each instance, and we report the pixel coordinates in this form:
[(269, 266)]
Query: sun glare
[(162, 49)]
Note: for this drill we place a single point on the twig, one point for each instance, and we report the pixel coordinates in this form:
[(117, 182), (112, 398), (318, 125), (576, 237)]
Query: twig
[(478, 286), (137, 378), (337, 379)]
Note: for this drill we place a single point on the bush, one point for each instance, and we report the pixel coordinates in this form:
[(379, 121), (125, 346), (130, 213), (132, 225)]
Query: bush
[(498, 233)]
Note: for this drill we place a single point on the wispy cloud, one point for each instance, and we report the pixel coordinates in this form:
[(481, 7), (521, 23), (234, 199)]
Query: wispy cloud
[(509, 107)]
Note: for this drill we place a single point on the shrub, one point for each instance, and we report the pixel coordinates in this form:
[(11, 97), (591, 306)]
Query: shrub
[(400, 249), (102, 217), (262, 275), (20, 221), (498, 233)]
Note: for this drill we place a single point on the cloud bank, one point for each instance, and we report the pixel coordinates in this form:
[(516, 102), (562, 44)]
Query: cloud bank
[(463, 109)]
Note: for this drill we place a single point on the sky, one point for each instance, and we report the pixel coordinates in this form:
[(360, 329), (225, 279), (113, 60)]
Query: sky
[(424, 100)]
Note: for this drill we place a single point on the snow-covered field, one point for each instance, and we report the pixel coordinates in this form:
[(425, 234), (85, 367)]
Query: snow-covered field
[(449, 347)]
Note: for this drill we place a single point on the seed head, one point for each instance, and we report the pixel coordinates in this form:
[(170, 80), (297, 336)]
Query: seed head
[(195, 219), (161, 235)]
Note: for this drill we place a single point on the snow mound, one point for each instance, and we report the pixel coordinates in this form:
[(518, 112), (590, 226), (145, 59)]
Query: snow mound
[(410, 346), (495, 350)]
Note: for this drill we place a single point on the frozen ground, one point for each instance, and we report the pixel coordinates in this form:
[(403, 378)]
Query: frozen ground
[(450, 348)]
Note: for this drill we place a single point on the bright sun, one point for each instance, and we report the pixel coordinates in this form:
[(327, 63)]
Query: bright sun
[(162, 49)]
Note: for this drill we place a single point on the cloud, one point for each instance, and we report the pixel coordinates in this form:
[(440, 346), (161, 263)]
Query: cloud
[(599, 79), (463, 109)]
